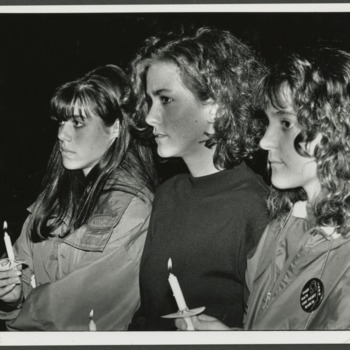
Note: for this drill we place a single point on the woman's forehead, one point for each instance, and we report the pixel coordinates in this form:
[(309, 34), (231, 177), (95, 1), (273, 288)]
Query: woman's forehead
[(82, 109), (281, 98)]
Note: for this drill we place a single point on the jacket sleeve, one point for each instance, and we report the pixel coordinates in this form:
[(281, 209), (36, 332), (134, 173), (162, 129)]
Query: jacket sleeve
[(256, 220), (105, 281)]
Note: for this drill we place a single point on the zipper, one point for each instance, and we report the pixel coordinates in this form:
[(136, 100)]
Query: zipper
[(273, 283), (267, 300)]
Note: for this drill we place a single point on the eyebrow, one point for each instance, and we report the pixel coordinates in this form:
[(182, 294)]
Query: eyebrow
[(158, 92), (282, 112), (78, 116)]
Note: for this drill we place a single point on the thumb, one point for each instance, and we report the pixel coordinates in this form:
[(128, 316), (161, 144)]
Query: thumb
[(181, 324)]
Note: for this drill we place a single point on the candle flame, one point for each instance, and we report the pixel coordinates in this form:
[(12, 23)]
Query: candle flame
[(170, 265), (5, 226), (91, 314)]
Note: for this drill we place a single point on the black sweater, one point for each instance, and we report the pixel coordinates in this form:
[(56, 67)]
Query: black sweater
[(206, 225)]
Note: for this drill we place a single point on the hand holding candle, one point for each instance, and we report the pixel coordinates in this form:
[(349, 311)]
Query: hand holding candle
[(8, 244)]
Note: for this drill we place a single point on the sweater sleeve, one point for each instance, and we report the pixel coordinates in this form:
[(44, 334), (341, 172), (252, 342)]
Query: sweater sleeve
[(105, 281), (253, 263)]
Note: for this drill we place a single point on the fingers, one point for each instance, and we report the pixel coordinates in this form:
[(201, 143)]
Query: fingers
[(8, 281), (181, 324), (198, 324), (204, 317), (5, 290), (10, 277), (9, 274), (202, 323), (205, 323)]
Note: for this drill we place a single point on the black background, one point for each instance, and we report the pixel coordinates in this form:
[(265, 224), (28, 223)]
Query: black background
[(38, 52)]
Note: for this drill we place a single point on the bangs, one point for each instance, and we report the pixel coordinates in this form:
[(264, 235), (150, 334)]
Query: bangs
[(276, 92), (72, 101), (281, 96)]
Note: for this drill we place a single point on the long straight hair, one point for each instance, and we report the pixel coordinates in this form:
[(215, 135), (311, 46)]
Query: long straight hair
[(69, 197)]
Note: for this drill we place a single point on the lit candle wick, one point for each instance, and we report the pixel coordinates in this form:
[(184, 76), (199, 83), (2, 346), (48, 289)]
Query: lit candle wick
[(8, 244), (92, 325)]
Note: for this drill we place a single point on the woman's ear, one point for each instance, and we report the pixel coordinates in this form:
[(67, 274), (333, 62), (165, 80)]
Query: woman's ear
[(214, 111)]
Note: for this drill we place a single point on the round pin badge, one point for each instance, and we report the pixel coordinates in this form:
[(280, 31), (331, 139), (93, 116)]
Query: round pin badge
[(311, 295)]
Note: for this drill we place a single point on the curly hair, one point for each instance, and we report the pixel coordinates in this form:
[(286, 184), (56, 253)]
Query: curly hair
[(213, 65), (319, 86)]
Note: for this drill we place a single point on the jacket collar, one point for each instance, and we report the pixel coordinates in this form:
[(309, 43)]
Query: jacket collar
[(299, 210)]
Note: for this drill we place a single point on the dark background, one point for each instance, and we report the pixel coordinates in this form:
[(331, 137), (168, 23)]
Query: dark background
[(38, 52)]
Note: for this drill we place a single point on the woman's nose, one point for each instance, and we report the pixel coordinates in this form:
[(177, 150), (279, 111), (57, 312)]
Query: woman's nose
[(153, 117), (64, 132), (267, 140)]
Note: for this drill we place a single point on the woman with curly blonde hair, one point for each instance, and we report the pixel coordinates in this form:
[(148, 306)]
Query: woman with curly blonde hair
[(195, 93), (299, 276)]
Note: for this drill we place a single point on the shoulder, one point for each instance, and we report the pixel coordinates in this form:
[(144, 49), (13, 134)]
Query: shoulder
[(119, 217), (251, 198), (251, 181), (252, 188), (122, 191), (176, 180), (174, 184)]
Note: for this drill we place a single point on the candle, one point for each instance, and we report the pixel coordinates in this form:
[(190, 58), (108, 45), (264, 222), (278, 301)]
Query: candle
[(33, 281), (92, 325), (8, 244), (177, 292)]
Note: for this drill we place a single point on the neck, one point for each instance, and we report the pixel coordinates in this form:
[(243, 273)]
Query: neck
[(201, 164), (312, 190)]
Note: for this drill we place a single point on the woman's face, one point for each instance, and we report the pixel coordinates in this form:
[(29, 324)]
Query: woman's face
[(84, 140), (178, 118), (289, 168)]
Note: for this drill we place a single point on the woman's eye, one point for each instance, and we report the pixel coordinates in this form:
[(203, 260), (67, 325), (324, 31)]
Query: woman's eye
[(77, 123), (286, 124), (166, 100)]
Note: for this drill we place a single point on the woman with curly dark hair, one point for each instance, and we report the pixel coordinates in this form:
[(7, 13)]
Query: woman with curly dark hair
[(195, 92), (299, 277)]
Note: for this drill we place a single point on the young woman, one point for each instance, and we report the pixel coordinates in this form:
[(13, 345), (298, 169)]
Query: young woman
[(299, 277), (83, 239), (195, 93)]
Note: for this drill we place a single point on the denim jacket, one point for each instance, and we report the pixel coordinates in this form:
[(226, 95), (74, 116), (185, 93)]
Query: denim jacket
[(95, 267)]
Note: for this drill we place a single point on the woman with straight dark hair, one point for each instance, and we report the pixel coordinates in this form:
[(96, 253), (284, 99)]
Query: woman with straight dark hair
[(83, 239)]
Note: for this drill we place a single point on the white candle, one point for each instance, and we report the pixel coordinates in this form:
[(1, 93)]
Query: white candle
[(92, 325), (177, 292), (8, 244), (33, 281)]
